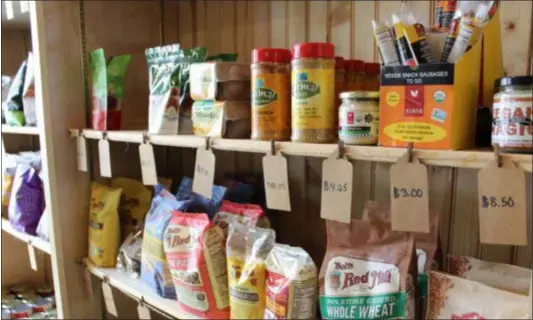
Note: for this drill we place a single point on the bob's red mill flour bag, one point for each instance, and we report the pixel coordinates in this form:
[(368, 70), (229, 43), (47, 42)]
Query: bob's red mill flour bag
[(452, 297), (368, 272)]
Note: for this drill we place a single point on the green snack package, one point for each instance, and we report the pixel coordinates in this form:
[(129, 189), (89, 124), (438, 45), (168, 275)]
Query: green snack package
[(14, 107)]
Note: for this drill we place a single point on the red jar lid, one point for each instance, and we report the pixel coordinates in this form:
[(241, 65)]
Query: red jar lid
[(271, 55), (354, 65), (372, 68), (339, 62), (313, 50)]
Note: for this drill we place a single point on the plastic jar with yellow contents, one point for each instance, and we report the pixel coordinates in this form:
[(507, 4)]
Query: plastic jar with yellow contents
[(359, 117), (271, 94), (313, 90)]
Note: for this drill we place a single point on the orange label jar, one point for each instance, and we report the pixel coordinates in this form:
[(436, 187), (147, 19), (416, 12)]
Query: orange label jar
[(271, 94)]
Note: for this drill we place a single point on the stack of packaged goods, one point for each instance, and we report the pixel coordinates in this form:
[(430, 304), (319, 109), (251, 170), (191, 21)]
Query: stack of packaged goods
[(22, 301), (18, 102)]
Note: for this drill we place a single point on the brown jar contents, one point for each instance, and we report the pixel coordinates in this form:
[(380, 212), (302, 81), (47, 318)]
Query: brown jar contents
[(313, 93), (271, 94), (355, 75), (372, 76)]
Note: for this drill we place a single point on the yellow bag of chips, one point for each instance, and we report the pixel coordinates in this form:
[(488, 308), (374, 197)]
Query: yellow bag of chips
[(104, 230), (135, 203)]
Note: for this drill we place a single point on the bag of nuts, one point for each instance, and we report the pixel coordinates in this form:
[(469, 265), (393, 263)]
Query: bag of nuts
[(368, 272)]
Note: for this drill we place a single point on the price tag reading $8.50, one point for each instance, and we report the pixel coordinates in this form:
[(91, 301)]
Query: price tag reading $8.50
[(276, 182), (336, 202), (148, 169), (502, 207), (204, 172), (409, 196)]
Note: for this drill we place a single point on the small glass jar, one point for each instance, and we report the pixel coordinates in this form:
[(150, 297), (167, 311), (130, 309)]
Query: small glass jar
[(372, 76), (359, 117), (512, 114), (355, 75)]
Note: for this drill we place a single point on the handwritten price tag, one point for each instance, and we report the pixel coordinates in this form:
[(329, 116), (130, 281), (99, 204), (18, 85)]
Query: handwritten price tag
[(148, 168), (502, 204), (109, 300), (204, 172), (276, 182), (336, 202), (409, 196), (105, 158), (143, 311)]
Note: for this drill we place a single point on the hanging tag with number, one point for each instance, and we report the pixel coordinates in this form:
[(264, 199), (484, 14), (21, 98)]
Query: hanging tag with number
[(32, 256), (502, 204), (276, 180), (104, 158), (143, 311), (204, 172), (409, 195), (148, 168), (81, 151), (108, 299), (336, 202)]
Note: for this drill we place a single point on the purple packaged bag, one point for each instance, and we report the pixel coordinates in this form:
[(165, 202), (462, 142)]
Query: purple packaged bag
[(27, 200)]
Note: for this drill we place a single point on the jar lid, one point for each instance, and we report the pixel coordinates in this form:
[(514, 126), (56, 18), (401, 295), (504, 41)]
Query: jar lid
[(313, 50), (514, 81), (340, 62), (359, 95), (271, 55), (372, 68), (355, 65)]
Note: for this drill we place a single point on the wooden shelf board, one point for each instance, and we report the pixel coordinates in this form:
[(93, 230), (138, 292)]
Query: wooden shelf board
[(138, 290), (35, 241), (475, 159), (20, 130)]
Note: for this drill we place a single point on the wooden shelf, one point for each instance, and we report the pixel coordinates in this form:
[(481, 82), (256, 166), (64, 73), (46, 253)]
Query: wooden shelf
[(20, 130), (34, 241), (448, 158), (138, 290)]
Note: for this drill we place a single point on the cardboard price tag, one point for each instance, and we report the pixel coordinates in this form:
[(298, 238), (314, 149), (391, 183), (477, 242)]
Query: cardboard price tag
[(276, 180), (32, 256), (104, 158), (409, 195), (143, 311), (204, 172), (502, 204), (108, 299), (148, 168), (336, 202)]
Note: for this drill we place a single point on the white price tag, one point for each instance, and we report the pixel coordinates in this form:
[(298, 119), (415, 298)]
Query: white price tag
[(32, 256), (143, 311), (204, 172), (148, 168), (276, 180), (87, 281), (81, 151), (109, 300), (336, 203), (105, 158)]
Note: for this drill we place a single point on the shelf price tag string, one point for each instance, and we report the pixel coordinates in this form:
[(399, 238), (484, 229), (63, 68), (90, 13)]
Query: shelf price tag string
[(410, 147), (104, 135), (146, 138), (207, 143), (273, 147), (497, 155), (340, 152)]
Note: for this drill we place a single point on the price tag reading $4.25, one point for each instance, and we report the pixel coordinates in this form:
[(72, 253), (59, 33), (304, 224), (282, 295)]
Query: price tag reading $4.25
[(336, 202), (204, 172), (502, 207), (276, 182), (409, 196)]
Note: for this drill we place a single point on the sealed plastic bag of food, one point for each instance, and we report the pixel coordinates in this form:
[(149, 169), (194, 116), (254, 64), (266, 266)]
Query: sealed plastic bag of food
[(129, 254), (107, 89), (195, 251), (193, 202), (291, 286), (246, 250), (14, 112), (104, 230), (9, 167), (28, 93), (247, 214), (134, 204), (154, 267), (27, 199)]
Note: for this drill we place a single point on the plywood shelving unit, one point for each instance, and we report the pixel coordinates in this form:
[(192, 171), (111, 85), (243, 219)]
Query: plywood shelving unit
[(230, 26)]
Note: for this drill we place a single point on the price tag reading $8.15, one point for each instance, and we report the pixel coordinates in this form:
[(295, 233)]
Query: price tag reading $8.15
[(204, 172), (409, 196), (336, 202), (502, 207), (148, 169), (276, 182)]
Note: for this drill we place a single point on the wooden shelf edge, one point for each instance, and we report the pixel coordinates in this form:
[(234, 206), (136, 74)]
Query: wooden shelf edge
[(138, 290), (34, 241), (448, 158), (20, 130)]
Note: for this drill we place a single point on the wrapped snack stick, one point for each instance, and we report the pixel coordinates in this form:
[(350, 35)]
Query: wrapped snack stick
[(385, 41), (406, 55), (452, 35), (415, 33)]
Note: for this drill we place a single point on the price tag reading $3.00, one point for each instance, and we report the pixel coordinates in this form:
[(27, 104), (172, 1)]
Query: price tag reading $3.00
[(409, 196), (148, 169), (104, 158), (276, 182), (502, 206), (204, 172), (336, 202)]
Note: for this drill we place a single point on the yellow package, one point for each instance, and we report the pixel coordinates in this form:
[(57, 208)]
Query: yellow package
[(246, 250), (134, 205), (104, 232)]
